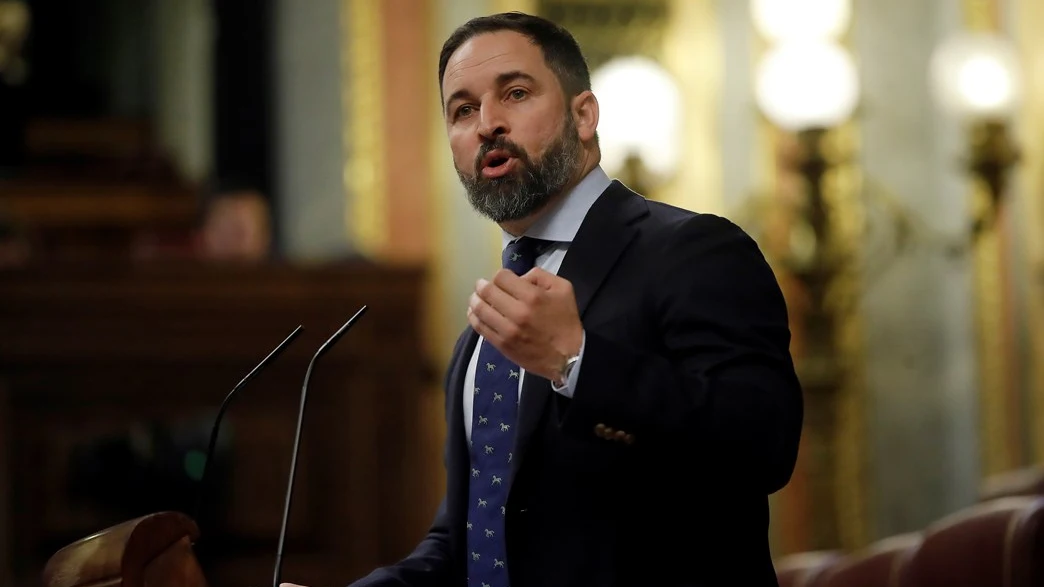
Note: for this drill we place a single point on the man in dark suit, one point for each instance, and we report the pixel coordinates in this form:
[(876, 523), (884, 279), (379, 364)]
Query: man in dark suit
[(624, 400)]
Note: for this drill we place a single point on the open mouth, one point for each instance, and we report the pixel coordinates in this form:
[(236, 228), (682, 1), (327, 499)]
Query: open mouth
[(497, 163)]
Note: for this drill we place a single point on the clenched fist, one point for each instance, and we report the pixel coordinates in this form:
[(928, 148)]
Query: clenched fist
[(532, 319)]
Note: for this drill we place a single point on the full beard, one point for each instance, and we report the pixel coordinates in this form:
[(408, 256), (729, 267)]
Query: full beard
[(532, 185)]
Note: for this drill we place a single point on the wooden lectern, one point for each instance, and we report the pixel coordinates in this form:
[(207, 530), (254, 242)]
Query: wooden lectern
[(151, 551), (90, 352)]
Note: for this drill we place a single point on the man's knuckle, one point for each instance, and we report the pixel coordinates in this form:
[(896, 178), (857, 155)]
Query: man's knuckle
[(511, 334), (501, 276)]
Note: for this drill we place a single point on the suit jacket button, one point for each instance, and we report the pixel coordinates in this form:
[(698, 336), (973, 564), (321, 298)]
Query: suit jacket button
[(599, 430), (629, 439), (620, 435)]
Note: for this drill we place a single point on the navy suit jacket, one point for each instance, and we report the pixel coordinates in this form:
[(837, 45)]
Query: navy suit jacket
[(686, 415)]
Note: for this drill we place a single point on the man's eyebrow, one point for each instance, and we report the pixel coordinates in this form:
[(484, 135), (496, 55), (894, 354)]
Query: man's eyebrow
[(510, 76), (502, 80), (459, 94)]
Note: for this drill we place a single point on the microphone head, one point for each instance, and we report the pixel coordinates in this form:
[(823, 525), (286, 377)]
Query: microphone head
[(340, 332)]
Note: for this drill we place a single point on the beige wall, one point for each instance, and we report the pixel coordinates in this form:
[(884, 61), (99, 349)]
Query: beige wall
[(309, 149), (921, 359), (183, 46)]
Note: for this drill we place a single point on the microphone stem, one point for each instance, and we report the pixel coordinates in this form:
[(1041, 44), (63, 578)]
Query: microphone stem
[(210, 454), (297, 439), (216, 429), (293, 473)]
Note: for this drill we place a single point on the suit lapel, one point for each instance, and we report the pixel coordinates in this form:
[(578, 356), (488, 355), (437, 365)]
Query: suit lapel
[(604, 235), (458, 442)]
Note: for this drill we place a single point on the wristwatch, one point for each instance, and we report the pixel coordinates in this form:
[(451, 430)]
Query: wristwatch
[(563, 379)]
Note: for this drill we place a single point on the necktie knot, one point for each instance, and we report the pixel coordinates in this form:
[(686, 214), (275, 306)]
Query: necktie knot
[(520, 254)]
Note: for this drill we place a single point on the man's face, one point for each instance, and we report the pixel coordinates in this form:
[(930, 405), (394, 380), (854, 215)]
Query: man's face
[(514, 142)]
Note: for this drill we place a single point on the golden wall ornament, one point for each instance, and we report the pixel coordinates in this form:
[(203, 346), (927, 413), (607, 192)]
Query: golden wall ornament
[(363, 100), (811, 222), (610, 28), (811, 230), (991, 157), (853, 451), (1028, 16), (693, 54)]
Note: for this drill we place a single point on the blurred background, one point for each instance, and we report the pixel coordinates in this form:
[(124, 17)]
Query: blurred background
[(183, 182)]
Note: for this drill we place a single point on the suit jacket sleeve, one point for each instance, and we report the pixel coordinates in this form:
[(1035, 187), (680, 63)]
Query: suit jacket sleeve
[(427, 566), (721, 388), (430, 564)]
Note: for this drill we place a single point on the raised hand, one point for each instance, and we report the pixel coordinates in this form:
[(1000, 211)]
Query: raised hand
[(532, 319)]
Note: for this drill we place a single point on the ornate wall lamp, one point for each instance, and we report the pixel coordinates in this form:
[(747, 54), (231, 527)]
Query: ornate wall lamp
[(640, 121), (807, 87), (976, 77), (806, 84)]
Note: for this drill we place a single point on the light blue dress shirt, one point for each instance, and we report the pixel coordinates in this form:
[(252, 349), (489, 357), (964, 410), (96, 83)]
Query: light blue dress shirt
[(560, 224)]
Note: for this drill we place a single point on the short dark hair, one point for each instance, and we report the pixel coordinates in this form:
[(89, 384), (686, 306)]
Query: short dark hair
[(562, 53)]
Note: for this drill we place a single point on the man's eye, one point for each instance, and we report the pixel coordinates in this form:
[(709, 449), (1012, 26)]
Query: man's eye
[(464, 111), (518, 94)]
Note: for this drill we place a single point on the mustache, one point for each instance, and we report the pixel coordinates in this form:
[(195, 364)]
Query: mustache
[(500, 143)]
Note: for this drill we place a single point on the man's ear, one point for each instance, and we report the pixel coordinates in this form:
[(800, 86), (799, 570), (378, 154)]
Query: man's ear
[(584, 108)]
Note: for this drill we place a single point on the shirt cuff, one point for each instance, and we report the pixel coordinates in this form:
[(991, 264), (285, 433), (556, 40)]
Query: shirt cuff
[(574, 374)]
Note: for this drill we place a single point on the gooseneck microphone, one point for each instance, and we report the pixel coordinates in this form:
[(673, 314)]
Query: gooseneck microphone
[(224, 406), (297, 438)]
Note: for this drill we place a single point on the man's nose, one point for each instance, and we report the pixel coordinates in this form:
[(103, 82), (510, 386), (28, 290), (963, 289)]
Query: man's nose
[(492, 122)]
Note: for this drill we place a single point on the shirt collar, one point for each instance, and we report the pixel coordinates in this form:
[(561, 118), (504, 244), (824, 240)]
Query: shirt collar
[(562, 222)]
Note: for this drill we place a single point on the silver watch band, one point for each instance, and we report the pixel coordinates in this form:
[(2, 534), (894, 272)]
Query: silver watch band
[(563, 379)]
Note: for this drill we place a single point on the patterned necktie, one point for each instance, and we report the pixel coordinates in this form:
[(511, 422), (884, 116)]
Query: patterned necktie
[(492, 439)]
